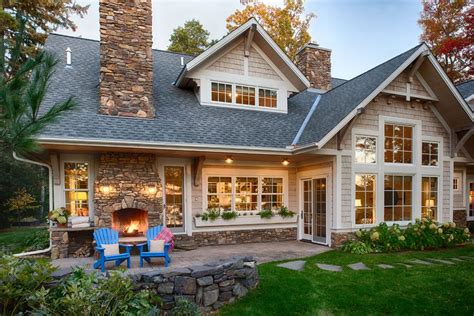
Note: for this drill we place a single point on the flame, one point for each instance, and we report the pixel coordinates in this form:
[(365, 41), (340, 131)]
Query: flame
[(134, 225)]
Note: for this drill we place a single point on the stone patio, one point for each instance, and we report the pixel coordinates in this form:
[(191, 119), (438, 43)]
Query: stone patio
[(262, 252)]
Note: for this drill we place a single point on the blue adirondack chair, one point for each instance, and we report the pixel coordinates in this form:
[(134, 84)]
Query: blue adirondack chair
[(104, 236), (151, 233)]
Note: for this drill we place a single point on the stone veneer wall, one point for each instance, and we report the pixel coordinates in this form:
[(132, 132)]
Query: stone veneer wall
[(126, 65), (315, 63), (66, 242), (338, 239), (128, 176), (460, 218), (238, 236)]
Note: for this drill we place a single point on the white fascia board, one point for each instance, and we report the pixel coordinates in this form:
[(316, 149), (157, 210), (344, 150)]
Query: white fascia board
[(227, 39), (370, 97), (163, 145)]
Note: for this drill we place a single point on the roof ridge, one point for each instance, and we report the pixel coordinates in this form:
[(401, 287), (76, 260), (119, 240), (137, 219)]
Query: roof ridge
[(373, 68)]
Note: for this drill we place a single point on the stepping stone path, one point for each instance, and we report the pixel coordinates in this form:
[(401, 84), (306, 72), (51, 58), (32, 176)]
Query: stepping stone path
[(385, 266), (358, 266), (405, 265), (456, 259), (329, 267), (466, 257), (297, 265), (442, 261), (426, 263)]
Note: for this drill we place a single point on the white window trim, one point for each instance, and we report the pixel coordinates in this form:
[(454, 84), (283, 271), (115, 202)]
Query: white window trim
[(362, 134), (439, 206), (77, 158), (416, 139), (439, 141), (375, 223), (469, 182), (234, 173), (234, 96), (458, 188)]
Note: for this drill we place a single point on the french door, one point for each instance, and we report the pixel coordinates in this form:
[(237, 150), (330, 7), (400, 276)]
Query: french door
[(174, 198), (314, 202)]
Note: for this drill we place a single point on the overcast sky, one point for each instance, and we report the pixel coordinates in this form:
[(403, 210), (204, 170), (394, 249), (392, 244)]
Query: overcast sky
[(361, 33)]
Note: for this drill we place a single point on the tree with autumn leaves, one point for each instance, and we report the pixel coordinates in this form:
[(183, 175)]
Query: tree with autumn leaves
[(448, 28), (287, 25)]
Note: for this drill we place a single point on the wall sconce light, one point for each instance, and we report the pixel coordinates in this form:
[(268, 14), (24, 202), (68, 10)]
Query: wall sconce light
[(105, 189), (285, 162), (229, 159), (152, 189)]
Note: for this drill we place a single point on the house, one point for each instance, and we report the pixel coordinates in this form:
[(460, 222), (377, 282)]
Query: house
[(161, 137)]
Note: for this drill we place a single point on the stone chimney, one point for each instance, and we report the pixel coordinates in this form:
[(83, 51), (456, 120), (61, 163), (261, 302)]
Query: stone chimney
[(315, 63), (126, 65)]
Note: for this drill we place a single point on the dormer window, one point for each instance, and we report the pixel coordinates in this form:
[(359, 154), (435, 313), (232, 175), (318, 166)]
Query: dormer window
[(245, 95), (267, 98), (221, 92)]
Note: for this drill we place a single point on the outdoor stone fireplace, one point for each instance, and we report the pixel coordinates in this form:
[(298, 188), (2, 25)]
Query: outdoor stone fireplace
[(128, 193)]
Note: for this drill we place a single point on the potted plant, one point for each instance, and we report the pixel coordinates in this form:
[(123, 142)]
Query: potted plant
[(59, 216)]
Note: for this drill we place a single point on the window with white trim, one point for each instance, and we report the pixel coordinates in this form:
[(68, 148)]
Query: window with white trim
[(365, 149), (456, 183), (267, 98), (398, 143), (241, 193), (471, 200), (429, 197), (365, 192), (221, 92), (244, 95), (76, 188), (429, 154), (398, 202)]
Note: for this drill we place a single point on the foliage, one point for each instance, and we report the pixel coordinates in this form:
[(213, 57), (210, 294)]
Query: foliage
[(42, 16), (39, 240), (21, 278), (27, 287), (424, 234), (191, 38), (287, 25), (438, 289), (228, 215), (285, 212), (22, 93), (59, 215), (211, 214), (21, 204), (184, 307), (448, 28), (20, 239), (266, 213)]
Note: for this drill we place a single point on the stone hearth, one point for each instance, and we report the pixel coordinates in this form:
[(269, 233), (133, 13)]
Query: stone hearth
[(127, 181)]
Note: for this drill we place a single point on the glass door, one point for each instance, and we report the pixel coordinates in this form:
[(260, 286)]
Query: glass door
[(319, 210), (307, 212), (174, 198)]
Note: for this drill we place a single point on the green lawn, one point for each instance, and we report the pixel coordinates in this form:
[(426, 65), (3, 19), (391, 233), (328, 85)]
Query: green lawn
[(434, 290), (18, 239)]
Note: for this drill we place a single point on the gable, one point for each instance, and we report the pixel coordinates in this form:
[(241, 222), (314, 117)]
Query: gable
[(417, 88), (230, 62), (259, 67)]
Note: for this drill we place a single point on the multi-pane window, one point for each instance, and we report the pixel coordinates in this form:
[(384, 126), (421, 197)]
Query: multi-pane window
[(456, 183), (244, 95), (471, 199), (267, 98), (365, 151), (398, 201), (219, 193), (246, 193), (429, 197), (76, 188), (365, 198), (429, 152), (272, 193), (398, 143), (221, 92)]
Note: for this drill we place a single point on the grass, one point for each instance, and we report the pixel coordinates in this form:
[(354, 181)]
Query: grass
[(435, 290), (19, 239)]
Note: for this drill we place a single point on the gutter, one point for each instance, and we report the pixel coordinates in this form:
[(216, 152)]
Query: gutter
[(50, 173)]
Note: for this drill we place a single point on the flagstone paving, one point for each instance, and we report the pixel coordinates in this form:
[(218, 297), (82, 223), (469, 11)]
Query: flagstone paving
[(426, 263), (405, 265), (441, 261), (297, 265), (358, 266), (329, 267), (385, 266)]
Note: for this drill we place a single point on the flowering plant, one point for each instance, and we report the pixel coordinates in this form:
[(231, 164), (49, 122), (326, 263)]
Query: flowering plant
[(59, 215)]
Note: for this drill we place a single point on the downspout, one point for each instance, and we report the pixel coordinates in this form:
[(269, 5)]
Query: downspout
[(50, 173)]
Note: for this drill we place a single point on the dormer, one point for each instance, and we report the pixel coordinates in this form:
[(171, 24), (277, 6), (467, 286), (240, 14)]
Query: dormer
[(244, 70)]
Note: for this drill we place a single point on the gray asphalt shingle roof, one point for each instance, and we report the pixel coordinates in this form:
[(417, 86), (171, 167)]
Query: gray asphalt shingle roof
[(180, 119), (337, 103), (179, 116), (466, 88)]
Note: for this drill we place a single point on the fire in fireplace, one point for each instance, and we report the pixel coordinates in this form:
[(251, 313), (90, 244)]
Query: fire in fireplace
[(130, 222)]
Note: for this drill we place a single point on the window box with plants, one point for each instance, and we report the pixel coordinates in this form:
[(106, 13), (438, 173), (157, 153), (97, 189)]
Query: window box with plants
[(216, 217)]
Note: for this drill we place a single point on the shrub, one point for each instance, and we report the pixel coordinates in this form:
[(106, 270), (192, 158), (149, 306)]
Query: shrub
[(285, 212), (357, 247), (227, 215), (423, 234), (39, 240), (184, 307), (266, 213), (211, 214), (28, 288)]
